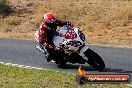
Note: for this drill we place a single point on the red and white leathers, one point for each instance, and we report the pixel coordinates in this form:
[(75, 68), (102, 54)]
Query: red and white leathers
[(47, 33)]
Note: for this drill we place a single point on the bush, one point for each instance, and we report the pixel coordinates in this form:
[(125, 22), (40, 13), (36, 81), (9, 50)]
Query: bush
[(13, 22), (5, 8)]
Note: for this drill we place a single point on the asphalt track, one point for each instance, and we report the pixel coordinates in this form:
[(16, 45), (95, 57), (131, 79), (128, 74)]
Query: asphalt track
[(23, 52)]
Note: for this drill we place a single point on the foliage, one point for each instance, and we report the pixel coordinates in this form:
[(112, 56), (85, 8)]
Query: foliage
[(5, 8), (13, 22)]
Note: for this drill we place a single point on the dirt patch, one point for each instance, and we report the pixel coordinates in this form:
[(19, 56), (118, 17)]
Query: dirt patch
[(106, 22)]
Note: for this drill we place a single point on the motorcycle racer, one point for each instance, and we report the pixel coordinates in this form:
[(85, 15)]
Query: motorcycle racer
[(71, 43), (47, 31)]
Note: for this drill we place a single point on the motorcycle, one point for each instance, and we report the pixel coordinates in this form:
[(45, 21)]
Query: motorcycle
[(74, 49)]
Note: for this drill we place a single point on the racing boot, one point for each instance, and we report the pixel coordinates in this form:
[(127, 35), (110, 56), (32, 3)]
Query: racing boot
[(49, 59), (40, 47), (52, 61)]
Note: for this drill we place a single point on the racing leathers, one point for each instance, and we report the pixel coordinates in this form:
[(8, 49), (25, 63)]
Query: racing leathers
[(46, 34)]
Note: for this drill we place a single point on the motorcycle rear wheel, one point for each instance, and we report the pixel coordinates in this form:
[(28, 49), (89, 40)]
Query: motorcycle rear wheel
[(94, 60)]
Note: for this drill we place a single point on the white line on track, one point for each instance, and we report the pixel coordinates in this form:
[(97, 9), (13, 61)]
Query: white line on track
[(22, 66), (28, 67)]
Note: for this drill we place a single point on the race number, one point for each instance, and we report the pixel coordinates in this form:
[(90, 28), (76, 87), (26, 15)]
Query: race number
[(70, 34)]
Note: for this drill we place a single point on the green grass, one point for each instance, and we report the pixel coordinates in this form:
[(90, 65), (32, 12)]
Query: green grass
[(14, 77)]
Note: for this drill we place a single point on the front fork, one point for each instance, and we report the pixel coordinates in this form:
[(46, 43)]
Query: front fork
[(81, 52)]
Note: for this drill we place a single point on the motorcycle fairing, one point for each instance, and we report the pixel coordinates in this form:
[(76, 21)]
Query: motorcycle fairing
[(70, 38)]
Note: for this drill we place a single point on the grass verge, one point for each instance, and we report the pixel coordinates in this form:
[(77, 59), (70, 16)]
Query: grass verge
[(14, 77)]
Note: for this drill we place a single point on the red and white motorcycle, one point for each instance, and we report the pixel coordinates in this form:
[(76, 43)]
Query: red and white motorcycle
[(74, 49)]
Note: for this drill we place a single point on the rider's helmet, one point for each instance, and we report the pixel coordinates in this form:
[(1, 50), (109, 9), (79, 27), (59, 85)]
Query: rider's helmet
[(49, 20)]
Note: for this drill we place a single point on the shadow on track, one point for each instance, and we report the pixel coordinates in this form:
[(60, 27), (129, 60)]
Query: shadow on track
[(71, 66), (89, 68)]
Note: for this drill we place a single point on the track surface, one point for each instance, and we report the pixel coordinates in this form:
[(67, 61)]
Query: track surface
[(23, 52)]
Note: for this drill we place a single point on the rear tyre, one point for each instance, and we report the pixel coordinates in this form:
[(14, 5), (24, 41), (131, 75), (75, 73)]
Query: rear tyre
[(94, 60)]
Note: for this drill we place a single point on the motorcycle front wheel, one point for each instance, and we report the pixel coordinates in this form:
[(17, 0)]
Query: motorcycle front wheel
[(94, 60)]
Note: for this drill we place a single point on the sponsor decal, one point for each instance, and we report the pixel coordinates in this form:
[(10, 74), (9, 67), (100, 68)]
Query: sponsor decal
[(83, 77)]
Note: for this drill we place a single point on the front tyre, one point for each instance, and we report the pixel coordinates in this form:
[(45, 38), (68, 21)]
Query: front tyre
[(94, 60)]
